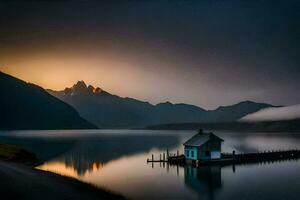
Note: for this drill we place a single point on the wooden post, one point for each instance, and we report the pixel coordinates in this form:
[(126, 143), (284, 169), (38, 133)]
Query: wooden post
[(167, 167), (233, 154), (152, 157), (233, 168), (177, 153), (167, 154)]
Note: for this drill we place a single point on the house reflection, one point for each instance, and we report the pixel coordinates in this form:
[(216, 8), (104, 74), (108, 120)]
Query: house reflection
[(204, 180)]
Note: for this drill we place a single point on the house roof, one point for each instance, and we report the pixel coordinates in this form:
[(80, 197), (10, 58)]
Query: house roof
[(201, 138)]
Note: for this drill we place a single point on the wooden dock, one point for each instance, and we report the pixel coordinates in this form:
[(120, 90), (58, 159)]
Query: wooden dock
[(172, 158), (263, 156), (231, 158)]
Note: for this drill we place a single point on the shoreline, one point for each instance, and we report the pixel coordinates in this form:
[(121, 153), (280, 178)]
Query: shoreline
[(21, 180)]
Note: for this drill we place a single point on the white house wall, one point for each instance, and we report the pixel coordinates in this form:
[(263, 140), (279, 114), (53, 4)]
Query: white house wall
[(215, 155)]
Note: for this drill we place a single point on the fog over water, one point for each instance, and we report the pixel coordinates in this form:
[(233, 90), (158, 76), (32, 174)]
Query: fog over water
[(274, 114)]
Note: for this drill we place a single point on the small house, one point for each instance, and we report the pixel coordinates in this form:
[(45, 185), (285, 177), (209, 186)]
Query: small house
[(203, 147)]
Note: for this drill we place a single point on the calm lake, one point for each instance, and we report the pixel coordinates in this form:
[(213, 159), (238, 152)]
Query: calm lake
[(116, 160)]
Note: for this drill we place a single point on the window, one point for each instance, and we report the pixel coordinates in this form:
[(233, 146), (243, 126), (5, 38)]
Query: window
[(192, 153), (187, 153)]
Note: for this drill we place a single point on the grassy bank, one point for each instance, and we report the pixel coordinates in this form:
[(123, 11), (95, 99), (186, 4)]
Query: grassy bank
[(14, 153)]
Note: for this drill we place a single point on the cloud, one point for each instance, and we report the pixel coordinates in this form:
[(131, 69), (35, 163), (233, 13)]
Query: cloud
[(274, 114)]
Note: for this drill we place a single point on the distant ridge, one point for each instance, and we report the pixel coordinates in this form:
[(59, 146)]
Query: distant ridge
[(292, 125), (28, 106), (111, 111), (236, 111)]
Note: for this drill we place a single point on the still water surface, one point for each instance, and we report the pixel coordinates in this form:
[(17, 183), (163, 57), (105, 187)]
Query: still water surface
[(116, 160)]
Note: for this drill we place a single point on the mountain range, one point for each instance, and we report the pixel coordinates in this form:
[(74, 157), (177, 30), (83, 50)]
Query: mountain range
[(106, 110), (28, 106)]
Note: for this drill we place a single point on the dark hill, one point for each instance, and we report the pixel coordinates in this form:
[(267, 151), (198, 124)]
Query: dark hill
[(28, 106)]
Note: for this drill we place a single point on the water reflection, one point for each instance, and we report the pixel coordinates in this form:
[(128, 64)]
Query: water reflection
[(92, 153), (203, 180), (44, 148)]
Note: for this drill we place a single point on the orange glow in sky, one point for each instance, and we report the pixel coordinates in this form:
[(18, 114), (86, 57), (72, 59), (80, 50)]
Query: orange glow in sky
[(116, 73)]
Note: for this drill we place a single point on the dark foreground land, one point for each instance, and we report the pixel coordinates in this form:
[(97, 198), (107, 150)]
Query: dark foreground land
[(20, 181)]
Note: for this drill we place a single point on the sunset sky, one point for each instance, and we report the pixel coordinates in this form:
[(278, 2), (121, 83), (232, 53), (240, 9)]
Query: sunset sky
[(206, 53)]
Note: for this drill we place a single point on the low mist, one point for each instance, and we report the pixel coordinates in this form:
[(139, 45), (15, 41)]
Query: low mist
[(274, 114)]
